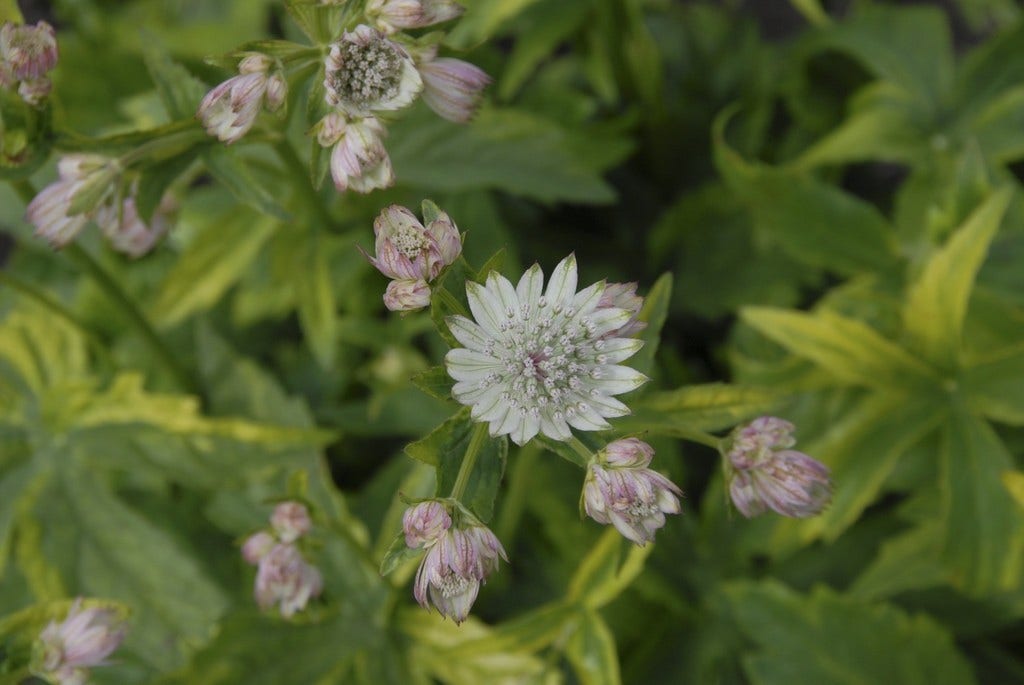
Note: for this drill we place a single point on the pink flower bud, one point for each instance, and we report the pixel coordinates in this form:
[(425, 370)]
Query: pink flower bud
[(358, 160), (83, 640), (29, 51), (290, 521), (623, 296), (762, 474), (453, 88), (277, 92), (424, 523), (230, 109), (286, 580), (50, 210), (256, 546), (447, 239), (450, 575), (407, 295), (623, 492), (392, 15), (408, 251), (366, 72), (125, 229), (255, 63)]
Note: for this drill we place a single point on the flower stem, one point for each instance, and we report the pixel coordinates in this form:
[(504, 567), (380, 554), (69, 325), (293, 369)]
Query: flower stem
[(700, 437), (476, 442), (451, 301), (585, 452)]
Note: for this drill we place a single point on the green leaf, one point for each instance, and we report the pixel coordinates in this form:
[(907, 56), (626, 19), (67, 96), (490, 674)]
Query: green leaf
[(817, 223), (156, 179), (445, 448), (708, 407), (591, 651), (9, 11), (321, 23), (398, 554), (546, 25), (227, 167), (983, 527), (435, 381), (849, 349), (992, 387), (992, 69), (654, 312), (484, 18), (317, 307), (812, 11), (937, 301), (826, 639), (526, 633), (179, 90), (607, 570), (214, 262), (906, 562)]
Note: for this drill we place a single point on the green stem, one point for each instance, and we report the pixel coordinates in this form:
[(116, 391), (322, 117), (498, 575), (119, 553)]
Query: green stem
[(700, 437), (585, 452), (166, 146), (303, 184), (476, 441), (24, 190), (451, 301)]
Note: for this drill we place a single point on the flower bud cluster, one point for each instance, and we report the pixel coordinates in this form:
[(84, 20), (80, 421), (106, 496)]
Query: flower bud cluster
[(413, 255), (763, 473), (375, 69), (458, 559), (84, 639), (27, 55), (283, 577), (86, 189), (230, 109), (619, 489)]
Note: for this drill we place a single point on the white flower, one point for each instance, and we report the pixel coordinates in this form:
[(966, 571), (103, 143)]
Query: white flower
[(540, 362), (366, 72), (83, 640)]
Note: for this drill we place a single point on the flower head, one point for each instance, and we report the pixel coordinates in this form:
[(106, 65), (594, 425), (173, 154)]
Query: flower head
[(619, 489), (764, 474), (406, 249), (453, 88), (290, 521), (83, 179), (424, 523), (540, 361), (366, 72), (229, 110), (358, 160), (83, 640), (454, 567), (29, 51), (392, 15), (286, 580), (126, 230)]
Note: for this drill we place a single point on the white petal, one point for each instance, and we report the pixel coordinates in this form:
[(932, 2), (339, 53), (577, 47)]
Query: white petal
[(472, 392), (467, 332), (525, 431), (530, 287), (616, 350), (486, 309), (606, 406), (495, 412), (562, 285), (487, 404), (616, 380), (609, 319), (588, 421), (554, 428), (586, 300), (468, 365), (510, 423), (502, 289)]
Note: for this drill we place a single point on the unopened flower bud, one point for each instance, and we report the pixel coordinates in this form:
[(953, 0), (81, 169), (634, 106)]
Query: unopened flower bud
[(29, 51), (230, 109), (62, 209), (277, 92), (286, 580), (619, 489), (623, 296), (392, 15), (366, 72), (82, 641), (424, 523), (407, 295), (454, 567), (255, 63), (453, 88), (257, 546), (290, 521), (763, 474), (358, 160), (126, 230)]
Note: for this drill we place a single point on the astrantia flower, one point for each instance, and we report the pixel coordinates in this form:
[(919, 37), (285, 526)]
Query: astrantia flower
[(392, 15), (229, 110), (425, 523), (358, 160), (126, 230), (290, 521), (286, 580), (454, 567), (83, 640), (623, 296), (29, 51), (763, 474), (84, 178), (540, 361), (453, 88), (406, 249), (366, 72), (619, 489)]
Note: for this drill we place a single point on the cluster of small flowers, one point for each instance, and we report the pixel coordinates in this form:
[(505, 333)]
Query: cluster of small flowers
[(763, 473), (27, 55), (413, 255), (458, 558), (84, 191), (84, 639), (619, 489), (230, 109), (283, 577)]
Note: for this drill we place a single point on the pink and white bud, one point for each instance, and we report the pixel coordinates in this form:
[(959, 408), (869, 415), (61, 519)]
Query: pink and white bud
[(277, 92), (406, 250), (50, 210), (445, 235), (290, 521), (30, 51), (424, 523), (453, 88), (34, 92), (619, 489), (450, 575), (230, 109), (257, 546), (407, 295), (126, 230), (763, 474), (286, 580), (365, 72), (623, 296), (393, 15), (359, 160), (83, 640)]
